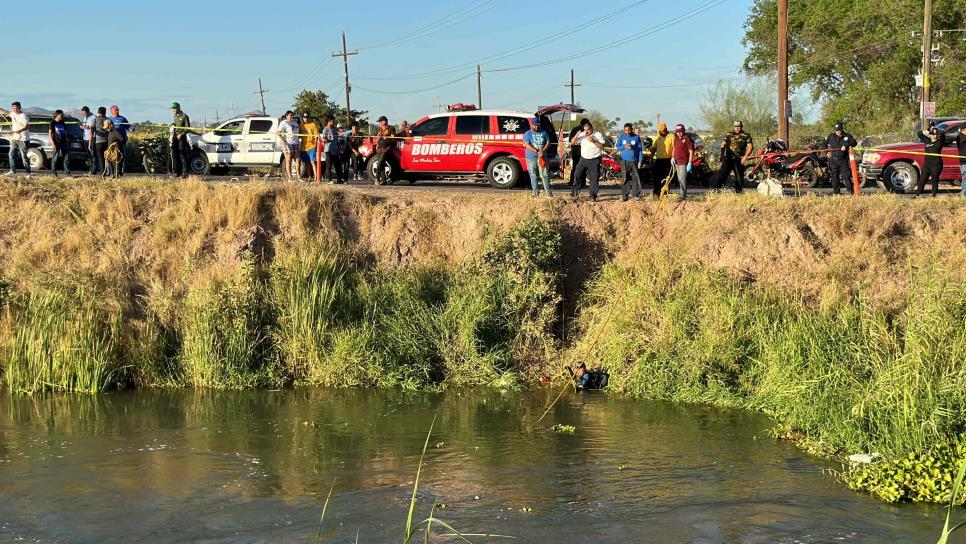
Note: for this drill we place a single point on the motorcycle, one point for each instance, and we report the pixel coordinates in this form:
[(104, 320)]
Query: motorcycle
[(801, 170), (154, 155)]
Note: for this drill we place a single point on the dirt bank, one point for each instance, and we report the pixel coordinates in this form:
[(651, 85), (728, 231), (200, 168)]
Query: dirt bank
[(148, 234)]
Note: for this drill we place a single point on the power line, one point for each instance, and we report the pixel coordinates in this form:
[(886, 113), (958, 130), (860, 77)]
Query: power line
[(665, 86), (514, 51), (431, 27), (633, 37), (433, 88)]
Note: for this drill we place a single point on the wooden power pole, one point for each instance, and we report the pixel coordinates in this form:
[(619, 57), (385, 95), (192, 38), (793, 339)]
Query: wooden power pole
[(783, 103), (479, 87), (926, 59), (345, 54), (261, 93), (572, 84)]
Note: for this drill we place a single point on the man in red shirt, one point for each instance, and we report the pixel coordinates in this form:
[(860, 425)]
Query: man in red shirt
[(681, 157)]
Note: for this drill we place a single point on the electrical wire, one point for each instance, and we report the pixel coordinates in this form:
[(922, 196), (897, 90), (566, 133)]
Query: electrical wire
[(511, 52), (431, 27), (415, 91)]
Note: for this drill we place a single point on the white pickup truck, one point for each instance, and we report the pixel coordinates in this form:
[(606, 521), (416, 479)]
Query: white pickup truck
[(238, 143)]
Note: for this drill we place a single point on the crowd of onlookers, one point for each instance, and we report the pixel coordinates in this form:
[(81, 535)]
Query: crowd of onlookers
[(332, 148)]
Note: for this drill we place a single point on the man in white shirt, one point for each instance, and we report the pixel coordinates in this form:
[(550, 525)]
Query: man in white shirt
[(591, 148), (87, 123), (18, 137)]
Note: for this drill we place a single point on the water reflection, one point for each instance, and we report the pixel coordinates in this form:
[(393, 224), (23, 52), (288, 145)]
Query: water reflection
[(254, 466)]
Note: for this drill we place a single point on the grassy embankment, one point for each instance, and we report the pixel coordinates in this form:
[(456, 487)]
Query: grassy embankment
[(844, 320)]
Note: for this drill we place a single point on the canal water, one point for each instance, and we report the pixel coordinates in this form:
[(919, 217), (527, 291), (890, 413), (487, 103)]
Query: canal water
[(256, 466)]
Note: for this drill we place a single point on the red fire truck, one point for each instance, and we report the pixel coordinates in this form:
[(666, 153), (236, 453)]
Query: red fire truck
[(484, 145)]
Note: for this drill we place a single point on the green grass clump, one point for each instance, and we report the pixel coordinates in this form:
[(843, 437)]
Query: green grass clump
[(847, 378), (60, 341), (224, 334)]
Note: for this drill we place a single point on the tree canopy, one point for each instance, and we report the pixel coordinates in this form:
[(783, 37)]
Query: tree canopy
[(860, 57), (320, 106)]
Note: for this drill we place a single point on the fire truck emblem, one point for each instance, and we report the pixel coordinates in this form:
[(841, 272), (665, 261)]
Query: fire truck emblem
[(511, 125)]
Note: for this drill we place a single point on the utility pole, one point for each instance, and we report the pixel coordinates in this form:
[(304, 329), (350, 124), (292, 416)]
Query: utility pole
[(572, 84), (231, 108), (217, 117), (345, 54), (926, 58), (783, 70), (479, 87), (261, 92)]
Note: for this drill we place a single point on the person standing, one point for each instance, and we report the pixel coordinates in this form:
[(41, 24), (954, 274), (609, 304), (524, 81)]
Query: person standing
[(121, 126), (591, 148), (87, 123), (288, 141), (681, 158), (839, 169), (345, 152), (330, 141), (57, 132), (309, 137), (960, 141), (18, 137), (631, 149), (385, 141), (356, 160), (99, 138), (933, 164), (736, 148), (661, 150), (403, 129), (113, 155), (536, 142), (180, 125), (575, 150)]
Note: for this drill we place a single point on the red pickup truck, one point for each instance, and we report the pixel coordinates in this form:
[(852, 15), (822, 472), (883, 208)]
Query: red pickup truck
[(894, 169)]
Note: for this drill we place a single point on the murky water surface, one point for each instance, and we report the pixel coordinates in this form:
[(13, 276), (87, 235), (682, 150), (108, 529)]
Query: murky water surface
[(255, 466)]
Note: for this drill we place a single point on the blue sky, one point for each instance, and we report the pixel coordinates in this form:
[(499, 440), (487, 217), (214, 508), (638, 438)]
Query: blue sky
[(209, 55)]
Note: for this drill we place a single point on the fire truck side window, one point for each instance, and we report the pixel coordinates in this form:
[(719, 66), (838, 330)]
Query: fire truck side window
[(436, 126), (512, 125), (473, 124)]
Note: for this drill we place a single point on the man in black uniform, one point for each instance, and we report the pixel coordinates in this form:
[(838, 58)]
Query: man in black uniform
[(735, 150), (933, 163), (839, 170)]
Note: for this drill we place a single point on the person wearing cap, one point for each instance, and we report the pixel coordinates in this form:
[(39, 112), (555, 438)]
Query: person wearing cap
[(536, 142), (681, 158), (121, 126), (662, 148), (178, 138), (630, 148), (736, 147), (384, 142), (403, 128), (839, 170), (933, 163), (87, 123), (309, 137), (288, 141), (591, 148)]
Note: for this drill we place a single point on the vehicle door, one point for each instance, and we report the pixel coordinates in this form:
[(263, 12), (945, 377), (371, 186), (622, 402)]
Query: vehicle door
[(466, 145), (424, 151), (951, 150), (260, 146), (224, 144), (509, 136)]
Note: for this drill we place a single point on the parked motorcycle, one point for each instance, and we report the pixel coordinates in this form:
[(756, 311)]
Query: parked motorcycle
[(801, 170), (154, 155)]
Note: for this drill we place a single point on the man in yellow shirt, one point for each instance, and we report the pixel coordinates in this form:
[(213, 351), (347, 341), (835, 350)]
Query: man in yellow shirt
[(309, 131), (662, 149)]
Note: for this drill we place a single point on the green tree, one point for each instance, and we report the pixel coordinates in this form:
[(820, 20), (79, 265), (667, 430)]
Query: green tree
[(859, 58), (754, 103), (320, 106)]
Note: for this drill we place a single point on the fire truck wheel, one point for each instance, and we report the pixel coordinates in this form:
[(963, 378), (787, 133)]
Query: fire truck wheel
[(503, 172)]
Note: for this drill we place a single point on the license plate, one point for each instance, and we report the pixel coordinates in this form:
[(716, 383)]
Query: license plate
[(75, 145)]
